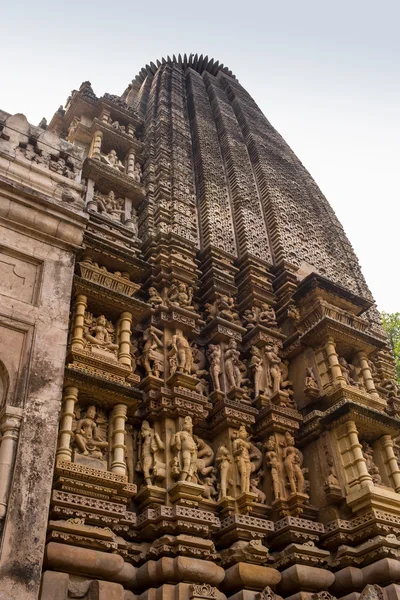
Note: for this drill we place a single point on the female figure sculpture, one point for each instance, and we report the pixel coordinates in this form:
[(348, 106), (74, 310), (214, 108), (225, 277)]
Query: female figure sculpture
[(99, 336), (87, 438), (292, 461), (241, 452), (232, 365)]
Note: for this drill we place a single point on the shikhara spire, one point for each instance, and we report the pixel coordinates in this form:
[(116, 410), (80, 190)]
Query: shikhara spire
[(197, 398)]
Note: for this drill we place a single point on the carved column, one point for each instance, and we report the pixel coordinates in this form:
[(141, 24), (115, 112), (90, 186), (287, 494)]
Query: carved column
[(358, 458), (130, 163), (366, 372), (333, 361), (10, 422), (64, 451), (390, 461), (79, 319), (118, 419), (124, 330), (96, 144), (91, 203)]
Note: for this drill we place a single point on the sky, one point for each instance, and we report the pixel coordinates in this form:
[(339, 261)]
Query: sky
[(325, 73)]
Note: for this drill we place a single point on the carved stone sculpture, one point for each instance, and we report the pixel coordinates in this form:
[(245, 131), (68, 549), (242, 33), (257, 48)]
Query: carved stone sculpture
[(272, 460), (214, 357), (241, 453), (99, 334), (184, 444), (111, 159), (274, 374), (256, 366), (181, 295), (226, 308), (110, 205), (181, 353), (223, 461), (233, 365), (267, 316), (292, 463), (348, 372), (372, 469), (151, 359), (293, 313), (137, 173), (254, 489), (87, 437), (250, 318), (149, 462), (154, 297), (310, 381)]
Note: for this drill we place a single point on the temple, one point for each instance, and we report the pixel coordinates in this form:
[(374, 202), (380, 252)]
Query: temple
[(198, 401)]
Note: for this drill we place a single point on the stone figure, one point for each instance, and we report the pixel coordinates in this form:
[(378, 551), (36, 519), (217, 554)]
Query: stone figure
[(99, 335), (209, 492), (111, 159), (310, 381), (273, 463), (256, 366), (137, 173), (151, 359), (110, 205), (273, 373), (348, 372), (87, 436), (241, 452), (267, 316), (199, 361), (293, 313), (181, 352), (292, 463), (205, 458), (254, 489), (185, 445), (154, 297), (148, 463), (214, 357), (223, 461), (181, 295), (226, 308), (233, 365), (250, 318), (372, 469)]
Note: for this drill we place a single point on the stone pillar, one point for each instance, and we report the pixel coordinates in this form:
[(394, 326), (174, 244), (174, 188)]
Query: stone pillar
[(391, 461), (358, 458), (79, 319), (96, 144), (333, 361), (10, 422), (124, 331), (130, 162), (64, 451), (91, 203), (118, 418), (367, 376)]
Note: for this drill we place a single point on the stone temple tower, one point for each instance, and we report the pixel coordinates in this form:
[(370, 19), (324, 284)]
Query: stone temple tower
[(197, 397)]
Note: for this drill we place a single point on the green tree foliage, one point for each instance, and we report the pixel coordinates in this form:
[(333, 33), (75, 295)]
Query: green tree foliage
[(391, 324)]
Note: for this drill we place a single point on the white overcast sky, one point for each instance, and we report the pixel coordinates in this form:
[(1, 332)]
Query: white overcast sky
[(325, 73)]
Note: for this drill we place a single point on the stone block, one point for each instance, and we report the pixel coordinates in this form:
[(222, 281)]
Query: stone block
[(54, 586)]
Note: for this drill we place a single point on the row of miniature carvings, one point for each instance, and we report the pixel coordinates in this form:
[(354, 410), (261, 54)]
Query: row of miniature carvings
[(117, 209), (229, 467), (263, 373), (131, 166), (156, 353), (236, 467)]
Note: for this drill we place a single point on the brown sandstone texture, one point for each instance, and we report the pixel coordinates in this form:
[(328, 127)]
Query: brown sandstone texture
[(197, 397)]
